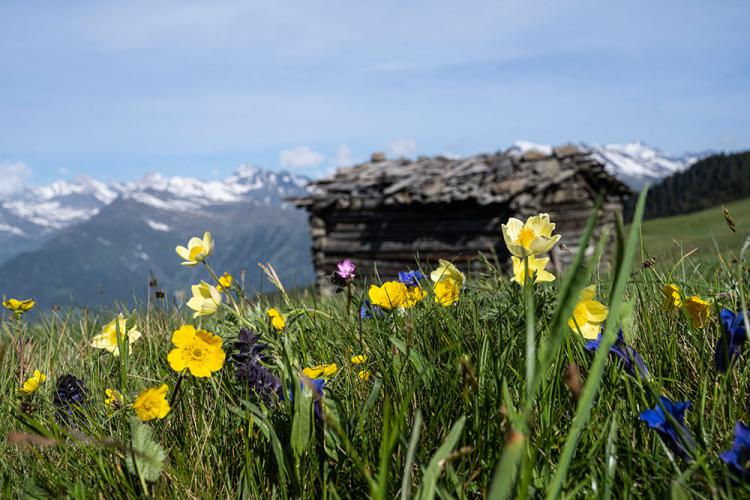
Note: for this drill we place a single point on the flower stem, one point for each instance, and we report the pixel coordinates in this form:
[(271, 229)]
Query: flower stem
[(176, 389)]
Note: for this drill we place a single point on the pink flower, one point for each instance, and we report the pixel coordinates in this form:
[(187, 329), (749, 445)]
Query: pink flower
[(346, 269)]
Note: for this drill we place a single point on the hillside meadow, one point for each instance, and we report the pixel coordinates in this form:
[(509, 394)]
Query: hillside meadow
[(430, 384)]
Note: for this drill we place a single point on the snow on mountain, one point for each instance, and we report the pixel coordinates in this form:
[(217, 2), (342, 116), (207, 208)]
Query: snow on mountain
[(635, 163)]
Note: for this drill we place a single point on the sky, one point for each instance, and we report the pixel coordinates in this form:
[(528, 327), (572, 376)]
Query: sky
[(114, 90)]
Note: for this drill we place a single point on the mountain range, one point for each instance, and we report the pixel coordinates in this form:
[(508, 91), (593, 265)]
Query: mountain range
[(87, 242)]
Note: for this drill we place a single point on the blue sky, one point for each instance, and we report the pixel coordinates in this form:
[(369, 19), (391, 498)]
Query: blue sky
[(115, 90)]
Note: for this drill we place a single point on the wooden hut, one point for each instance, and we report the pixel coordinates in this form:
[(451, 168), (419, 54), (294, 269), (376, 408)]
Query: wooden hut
[(386, 214)]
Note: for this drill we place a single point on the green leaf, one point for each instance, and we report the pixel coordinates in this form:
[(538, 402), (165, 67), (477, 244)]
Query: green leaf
[(146, 457), (302, 423), (431, 475)]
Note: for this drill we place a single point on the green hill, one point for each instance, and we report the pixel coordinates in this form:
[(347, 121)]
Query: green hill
[(705, 231)]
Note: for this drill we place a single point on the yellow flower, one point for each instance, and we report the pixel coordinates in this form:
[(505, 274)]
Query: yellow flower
[(673, 298), (389, 295), (32, 383), (152, 403), (107, 339), (277, 320), (225, 282), (698, 310), (364, 375), (447, 271), (114, 398), (359, 359), (447, 292), (19, 306), (534, 237), (414, 295), (206, 299), (197, 250), (589, 314), (536, 267), (318, 371), (198, 351)]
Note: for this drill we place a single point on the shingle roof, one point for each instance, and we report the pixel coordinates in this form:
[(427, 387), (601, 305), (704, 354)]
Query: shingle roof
[(484, 178)]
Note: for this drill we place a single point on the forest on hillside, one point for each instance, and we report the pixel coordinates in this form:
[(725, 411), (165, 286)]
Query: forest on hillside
[(709, 182)]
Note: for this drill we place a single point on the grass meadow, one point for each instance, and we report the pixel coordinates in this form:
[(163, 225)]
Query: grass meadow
[(493, 396)]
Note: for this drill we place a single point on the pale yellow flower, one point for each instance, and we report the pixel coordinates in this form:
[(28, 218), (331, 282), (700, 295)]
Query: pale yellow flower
[(389, 295), (197, 250), (320, 371), (205, 301), (32, 383), (534, 237), (536, 268), (698, 310), (447, 271), (447, 292), (107, 339), (588, 315)]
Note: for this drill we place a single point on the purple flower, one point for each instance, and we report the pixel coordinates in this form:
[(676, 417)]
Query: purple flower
[(410, 278), (676, 438), (729, 346), (632, 361), (346, 269), (738, 458)]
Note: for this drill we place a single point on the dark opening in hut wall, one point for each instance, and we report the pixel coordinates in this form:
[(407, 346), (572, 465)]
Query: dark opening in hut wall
[(387, 215)]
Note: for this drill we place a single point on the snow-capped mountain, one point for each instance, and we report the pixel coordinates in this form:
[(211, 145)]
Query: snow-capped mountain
[(635, 163), (31, 216)]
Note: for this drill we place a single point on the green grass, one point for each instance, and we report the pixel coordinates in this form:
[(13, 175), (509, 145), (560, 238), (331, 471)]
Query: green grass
[(704, 231), (450, 411)]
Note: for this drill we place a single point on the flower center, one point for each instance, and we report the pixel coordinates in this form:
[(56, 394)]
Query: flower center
[(197, 353), (196, 253), (526, 236)]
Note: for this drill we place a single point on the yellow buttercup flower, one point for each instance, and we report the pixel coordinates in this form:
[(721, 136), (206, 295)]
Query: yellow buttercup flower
[(389, 295), (320, 371), (225, 282), (698, 310), (197, 250), (364, 375), (447, 271), (447, 292), (32, 383), (107, 339), (114, 398), (536, 268), (278, 321), (199, 351), (359, 359), (152, 403), (205, 301), (534, 237), (19, 306), (414, 295), (673, 297), (589, 314)]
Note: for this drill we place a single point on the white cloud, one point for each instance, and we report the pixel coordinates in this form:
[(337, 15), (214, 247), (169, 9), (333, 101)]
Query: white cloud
[(14, 176), (300, 157), (402, 148), (343, 156)]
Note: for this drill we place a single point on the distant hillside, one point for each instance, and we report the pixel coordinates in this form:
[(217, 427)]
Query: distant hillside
[(709, 182)]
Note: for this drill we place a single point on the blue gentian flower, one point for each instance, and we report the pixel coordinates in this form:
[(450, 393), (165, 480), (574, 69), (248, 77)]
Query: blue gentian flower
[(410, 278), (318, 384), (677, 439), (369, 311), (738, 458), (729, 346), (632, 361)]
